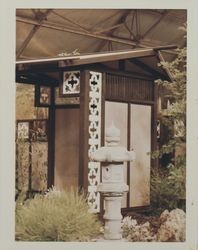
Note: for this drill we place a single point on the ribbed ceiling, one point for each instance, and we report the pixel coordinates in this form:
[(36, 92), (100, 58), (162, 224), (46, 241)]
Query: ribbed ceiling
[(47, 33)]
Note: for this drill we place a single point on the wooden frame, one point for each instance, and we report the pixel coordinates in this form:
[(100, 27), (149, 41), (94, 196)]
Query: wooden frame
[(64, 101)]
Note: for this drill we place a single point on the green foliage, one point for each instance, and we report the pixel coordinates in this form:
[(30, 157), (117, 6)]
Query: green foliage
[(168, 185), (57, 216), (168, 188)]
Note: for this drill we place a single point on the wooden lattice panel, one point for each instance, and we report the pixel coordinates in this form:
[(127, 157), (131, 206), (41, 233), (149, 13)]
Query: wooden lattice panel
[(125, 88)]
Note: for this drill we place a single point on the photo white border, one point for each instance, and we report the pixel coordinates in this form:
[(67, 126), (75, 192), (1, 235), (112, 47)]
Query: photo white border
[(7, 124)]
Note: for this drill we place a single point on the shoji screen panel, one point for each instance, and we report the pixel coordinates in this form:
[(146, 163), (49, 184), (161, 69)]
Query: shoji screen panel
[(140, 141)]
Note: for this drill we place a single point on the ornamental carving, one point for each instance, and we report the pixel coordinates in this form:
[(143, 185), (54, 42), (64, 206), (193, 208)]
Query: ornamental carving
[(71, 82), (95, 91)]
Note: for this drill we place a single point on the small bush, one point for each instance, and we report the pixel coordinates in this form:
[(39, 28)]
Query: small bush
[(168, 189), (57, 216)]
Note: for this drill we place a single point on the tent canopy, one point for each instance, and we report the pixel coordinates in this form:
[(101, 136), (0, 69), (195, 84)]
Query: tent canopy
[(71, 37), (50, 32)]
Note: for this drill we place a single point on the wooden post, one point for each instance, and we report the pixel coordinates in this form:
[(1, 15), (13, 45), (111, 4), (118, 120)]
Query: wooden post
[(84, 133), (154, 162), (51, 141)]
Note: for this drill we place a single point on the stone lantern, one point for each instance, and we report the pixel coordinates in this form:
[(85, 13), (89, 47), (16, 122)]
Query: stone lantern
[(112, 188)]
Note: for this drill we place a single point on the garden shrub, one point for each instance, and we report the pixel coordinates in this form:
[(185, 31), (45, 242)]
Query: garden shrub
[(56, 216), (168, 188), (168, 182)]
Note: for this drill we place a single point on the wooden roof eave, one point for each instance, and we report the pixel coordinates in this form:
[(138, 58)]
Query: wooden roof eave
[(77, 60)]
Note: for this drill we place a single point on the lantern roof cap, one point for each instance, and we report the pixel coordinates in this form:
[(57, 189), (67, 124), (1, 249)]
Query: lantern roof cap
[(112, 152)]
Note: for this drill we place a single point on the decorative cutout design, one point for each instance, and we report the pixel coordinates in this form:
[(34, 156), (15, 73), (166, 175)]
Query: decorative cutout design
[(45, 95), (95, 91), (23, 130), (71, 83)]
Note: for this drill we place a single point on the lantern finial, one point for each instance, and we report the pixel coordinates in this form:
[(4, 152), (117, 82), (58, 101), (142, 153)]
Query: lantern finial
[(112, 135)]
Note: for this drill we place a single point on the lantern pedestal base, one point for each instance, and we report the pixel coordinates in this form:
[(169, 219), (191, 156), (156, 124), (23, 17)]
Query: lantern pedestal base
[(112, 217)]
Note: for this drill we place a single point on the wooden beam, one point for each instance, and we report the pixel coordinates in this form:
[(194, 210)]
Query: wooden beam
[(165, 47), (69, 30), (171, 52), (108, 28), (147, 68), (146, 44), (155, 24), (36, 78), (120, 22), (71, 21), (107, 58), (34, 69), (50, 64), (27, 40), (105, 20), (101, 45), (80, 32), (93, 58), (31, 34), (131, 32)]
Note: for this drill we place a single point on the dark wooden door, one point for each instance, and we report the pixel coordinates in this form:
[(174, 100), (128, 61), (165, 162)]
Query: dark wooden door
[(66, 148)]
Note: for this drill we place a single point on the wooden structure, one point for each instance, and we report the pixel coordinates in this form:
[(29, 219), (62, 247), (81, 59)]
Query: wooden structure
[(84, 93)]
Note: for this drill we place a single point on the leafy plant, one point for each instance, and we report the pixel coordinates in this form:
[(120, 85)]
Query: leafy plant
[(56, 216), (168, 188), (168, 184)]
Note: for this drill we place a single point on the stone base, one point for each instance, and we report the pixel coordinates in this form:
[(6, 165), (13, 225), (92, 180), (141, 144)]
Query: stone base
[(112, 217), (112, 229)]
